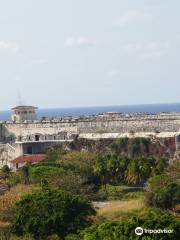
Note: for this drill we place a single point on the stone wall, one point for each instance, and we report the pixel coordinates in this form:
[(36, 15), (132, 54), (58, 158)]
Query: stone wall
[(7, 153), (125, 126), (26, 132), (64, 130), (19, 138)]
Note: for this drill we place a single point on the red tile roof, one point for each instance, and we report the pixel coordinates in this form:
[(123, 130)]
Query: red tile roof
[(34, 158)]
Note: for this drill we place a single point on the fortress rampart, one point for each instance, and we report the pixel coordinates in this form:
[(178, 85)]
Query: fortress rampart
[(30, 137), (63, 130)]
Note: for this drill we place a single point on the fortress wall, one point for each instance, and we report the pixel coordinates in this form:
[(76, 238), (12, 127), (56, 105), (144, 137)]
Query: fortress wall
[(46, 131), (18, 138), (125, 126), (108, 126), (7, 153)]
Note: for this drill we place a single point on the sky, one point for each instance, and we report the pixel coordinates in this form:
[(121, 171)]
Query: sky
[(71, 53)]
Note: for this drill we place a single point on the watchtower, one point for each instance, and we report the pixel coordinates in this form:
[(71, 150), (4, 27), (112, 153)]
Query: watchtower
[(23, 113)]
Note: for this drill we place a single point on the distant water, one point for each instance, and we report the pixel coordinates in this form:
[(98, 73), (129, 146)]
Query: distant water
[(59, 112)]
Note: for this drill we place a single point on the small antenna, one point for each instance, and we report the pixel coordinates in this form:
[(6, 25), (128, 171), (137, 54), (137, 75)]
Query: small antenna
[(19, 99)]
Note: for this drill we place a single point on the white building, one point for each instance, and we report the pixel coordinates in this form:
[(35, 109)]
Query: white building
[(22, 113)]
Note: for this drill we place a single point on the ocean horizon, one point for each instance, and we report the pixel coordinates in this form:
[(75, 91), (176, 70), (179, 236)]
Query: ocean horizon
[(78, 111)]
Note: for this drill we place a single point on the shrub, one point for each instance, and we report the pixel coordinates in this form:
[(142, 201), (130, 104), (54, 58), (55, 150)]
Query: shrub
[(125, 229), (51, 212), (40, 172), (168, 197), (162, 192), (9, 199)]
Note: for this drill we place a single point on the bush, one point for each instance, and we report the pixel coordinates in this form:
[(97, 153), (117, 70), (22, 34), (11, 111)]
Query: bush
[(162, 192), (51, 212), (48, 172), (125, 229), (167, 198), (9, 199)]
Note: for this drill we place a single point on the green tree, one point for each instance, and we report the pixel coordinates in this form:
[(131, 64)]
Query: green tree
[(5, 172), (160, 166), (139, 170), (51, 212), (101, 170), (25, 170), (125, 229), (163, 192)]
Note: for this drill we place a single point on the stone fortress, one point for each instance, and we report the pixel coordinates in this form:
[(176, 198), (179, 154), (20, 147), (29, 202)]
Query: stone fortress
[(25, 134)]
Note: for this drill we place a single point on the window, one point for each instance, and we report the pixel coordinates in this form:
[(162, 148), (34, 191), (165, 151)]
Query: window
[(29, 150), (37, 137)]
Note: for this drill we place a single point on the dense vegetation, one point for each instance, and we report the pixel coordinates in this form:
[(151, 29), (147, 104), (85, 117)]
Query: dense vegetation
[(50, 211), (52, 199), (124, 229)]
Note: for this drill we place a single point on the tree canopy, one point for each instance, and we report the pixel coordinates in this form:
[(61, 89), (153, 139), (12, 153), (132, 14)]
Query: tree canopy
[(51, 212)]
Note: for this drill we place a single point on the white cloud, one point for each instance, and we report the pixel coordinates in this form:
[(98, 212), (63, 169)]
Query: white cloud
[(149, 46), (39, 61), (113, 73), (146, 50), (7, 45), (130, 17), (150, 55), (79, 42)]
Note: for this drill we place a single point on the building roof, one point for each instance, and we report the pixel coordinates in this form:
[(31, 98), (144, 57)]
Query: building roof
[(33, 158), (24, 107)]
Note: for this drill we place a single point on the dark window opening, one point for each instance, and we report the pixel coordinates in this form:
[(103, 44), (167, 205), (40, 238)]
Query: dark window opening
[(37, 137), (29, 150)]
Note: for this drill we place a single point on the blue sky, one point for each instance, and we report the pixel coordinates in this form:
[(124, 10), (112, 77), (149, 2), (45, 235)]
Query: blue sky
[(65, 53)]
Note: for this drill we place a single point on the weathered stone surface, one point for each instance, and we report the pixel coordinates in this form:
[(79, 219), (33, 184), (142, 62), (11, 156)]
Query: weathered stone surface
[(30, 137)]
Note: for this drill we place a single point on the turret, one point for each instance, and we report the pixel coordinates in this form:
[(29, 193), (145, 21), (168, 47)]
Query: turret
[(24, 113)]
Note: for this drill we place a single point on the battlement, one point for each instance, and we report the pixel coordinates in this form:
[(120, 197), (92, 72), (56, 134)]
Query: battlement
[(66, 127), (36, 136)]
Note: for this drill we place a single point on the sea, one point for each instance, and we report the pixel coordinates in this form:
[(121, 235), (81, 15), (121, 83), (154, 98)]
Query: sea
[(79, 111)]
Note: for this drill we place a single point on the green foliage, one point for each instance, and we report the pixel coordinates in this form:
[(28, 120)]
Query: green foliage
[(163, 192), (160, 166), (48, 172), (125, 229), (73, 173), (139, 170), (15, 178), (116, 169), (111, 168), (5, 172), (54, 154), (119, 146), (51, 212), (119, 192), (131, 146), (167, 198), (80, 162), (26, 173)]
